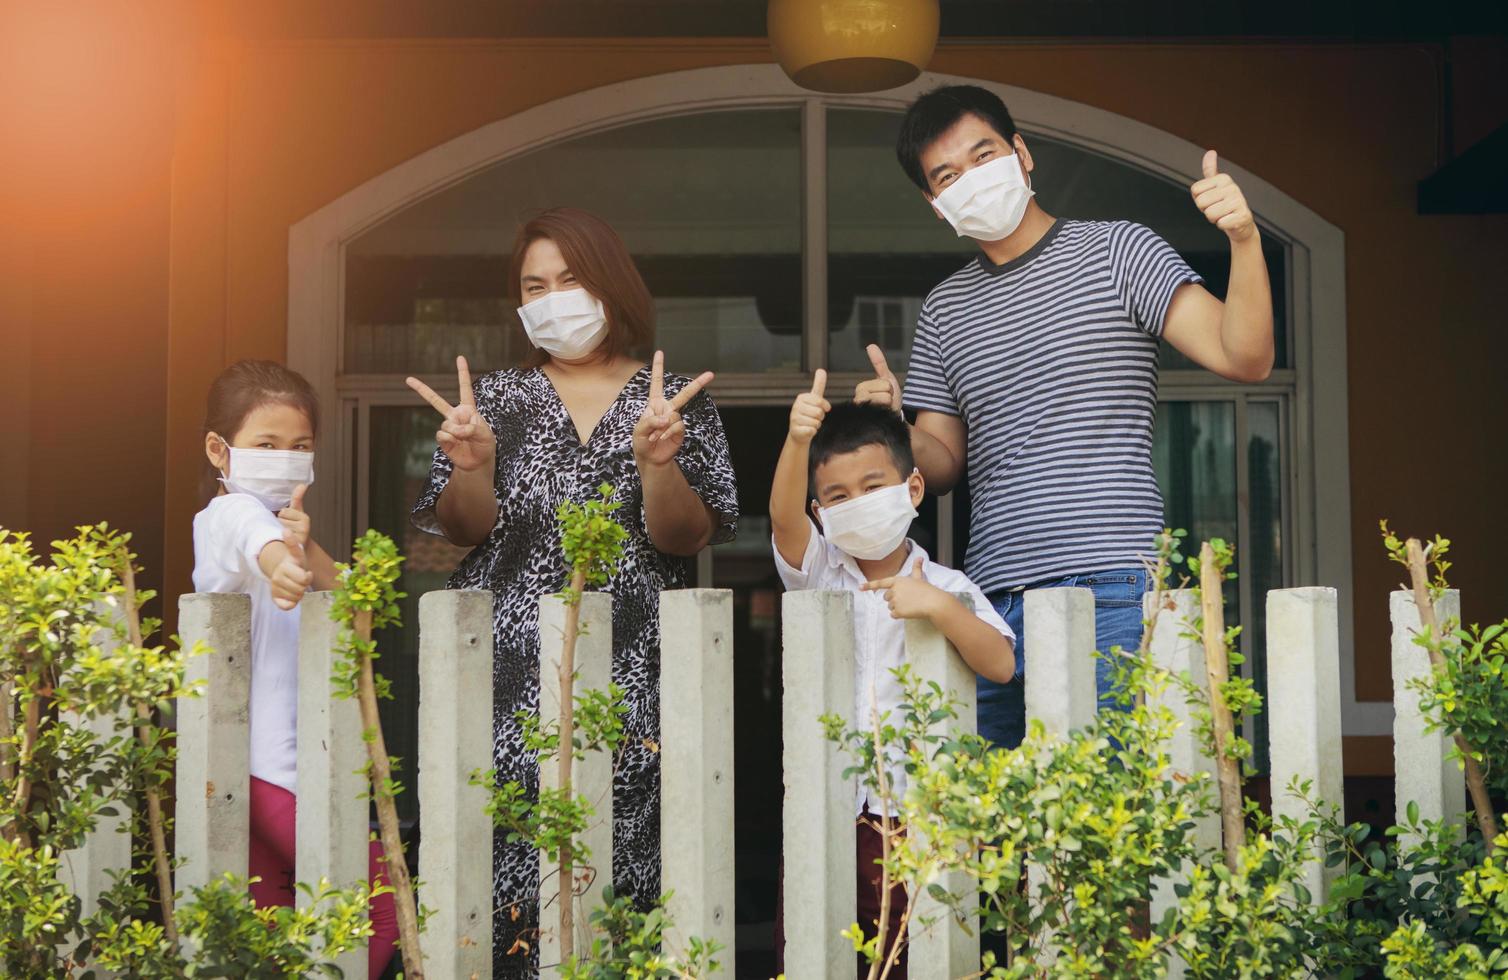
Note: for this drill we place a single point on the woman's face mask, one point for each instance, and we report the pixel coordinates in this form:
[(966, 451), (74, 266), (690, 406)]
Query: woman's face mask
[(872, 526), (568, 324), (988, 202), (270, 475)]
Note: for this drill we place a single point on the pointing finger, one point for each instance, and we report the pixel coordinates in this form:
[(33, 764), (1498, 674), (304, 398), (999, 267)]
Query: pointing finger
[(691, 390), (877, 359), (463, 376), (819, 382), (1211, 164), (428, 394)]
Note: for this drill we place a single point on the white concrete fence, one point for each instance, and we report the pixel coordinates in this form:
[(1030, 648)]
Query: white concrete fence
[(455, 725)]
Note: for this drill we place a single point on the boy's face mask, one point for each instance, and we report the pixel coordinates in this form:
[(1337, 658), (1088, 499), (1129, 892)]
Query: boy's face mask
[(872, 526), (270, 475)]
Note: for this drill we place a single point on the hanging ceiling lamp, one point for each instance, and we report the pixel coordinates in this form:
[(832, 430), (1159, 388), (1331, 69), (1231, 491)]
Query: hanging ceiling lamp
[(852, 45)]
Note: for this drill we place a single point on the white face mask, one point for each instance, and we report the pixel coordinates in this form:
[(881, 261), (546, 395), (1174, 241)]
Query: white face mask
[(569, 324), (270, 475), (988, 202), (871, 526)]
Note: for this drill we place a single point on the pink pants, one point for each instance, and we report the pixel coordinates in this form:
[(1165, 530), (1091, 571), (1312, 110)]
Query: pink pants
[(271, 859)]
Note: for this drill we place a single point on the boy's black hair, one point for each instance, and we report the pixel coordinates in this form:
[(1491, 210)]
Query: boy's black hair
[(851, 426), (934, 113)]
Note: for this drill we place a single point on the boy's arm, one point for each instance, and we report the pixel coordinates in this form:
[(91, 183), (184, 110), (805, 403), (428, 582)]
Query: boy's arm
[(788, 520), (987, 651)]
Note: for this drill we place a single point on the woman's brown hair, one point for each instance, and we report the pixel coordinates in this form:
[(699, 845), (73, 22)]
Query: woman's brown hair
[(246, 386), (600, 261)]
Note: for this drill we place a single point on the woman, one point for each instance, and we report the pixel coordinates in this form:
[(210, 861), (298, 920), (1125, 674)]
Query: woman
[(581, 412)]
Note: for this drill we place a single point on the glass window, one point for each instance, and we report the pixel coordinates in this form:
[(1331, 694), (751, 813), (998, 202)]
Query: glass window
[(709, 205)]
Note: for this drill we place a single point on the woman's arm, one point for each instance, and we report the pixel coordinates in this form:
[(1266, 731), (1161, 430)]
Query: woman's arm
[(678, 521), (467, 508)]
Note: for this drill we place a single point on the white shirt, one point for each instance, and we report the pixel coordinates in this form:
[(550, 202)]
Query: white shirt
[(879, 639), (228, 535)]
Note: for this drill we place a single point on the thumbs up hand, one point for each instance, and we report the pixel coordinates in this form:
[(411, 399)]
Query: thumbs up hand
[(294, 520), (809, 409), (291, 578), (910, 596), (883, 389), (1222, 202)]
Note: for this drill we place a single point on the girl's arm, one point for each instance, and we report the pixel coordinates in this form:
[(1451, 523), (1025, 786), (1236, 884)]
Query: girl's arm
[(284, 565), (322, 566)]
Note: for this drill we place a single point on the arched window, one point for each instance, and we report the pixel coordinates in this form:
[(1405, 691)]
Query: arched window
[(777, 235)]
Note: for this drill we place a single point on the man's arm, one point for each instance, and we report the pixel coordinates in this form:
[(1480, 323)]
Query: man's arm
[(938, 440), (1233, 339)]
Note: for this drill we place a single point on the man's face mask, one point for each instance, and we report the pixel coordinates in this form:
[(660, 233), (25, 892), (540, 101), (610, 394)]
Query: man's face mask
[(987, 202), (270, 475), (568, 324), (872, 526)]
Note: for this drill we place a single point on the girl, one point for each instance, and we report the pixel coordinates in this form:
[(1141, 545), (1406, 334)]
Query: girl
[(253, 537)]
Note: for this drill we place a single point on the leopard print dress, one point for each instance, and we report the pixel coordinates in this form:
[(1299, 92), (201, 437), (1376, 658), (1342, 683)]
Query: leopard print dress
[(540, 462)]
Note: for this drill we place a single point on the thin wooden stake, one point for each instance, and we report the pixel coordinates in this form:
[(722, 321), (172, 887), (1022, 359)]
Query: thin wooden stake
[(160, 863), (1217, 666), (387, 810), (1476, 784), (564, 758)]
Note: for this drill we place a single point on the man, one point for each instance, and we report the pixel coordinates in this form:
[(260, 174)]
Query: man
[(1036, 365)]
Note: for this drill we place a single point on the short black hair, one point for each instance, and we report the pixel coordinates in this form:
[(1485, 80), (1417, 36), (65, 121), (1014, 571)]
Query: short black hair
[(851, 426), (934, 113)]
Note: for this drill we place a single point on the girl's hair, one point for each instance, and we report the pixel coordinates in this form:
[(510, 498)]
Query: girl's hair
[(246, 386), (600, 261)]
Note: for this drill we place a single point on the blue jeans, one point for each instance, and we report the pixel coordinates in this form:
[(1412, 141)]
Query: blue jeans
[(1117, 622)]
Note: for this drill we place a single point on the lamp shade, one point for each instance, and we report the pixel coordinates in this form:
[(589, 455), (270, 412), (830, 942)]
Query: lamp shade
[(852, 45)]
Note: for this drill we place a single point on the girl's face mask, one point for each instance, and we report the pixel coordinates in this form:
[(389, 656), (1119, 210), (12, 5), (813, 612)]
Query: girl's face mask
[(568, 323), (872, 526), (270, 475)]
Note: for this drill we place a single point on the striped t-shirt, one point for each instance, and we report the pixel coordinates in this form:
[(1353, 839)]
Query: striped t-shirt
[(1051, 362)]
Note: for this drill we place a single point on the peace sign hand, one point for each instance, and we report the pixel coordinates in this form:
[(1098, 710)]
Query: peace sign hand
[(909, 596), (464, 436), (1222, 202), (809, 409), (884, 389), (660, 430)]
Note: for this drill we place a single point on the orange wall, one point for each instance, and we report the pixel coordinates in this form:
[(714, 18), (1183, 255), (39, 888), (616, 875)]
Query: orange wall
[(178, 191)]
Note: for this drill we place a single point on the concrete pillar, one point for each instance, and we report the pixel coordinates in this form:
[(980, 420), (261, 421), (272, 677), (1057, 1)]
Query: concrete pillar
[(945, 949), (818, 814), (455, 740), (86, 870), (1060, 687), (333, 825), (212, 819), (1423, 771), (1180, 654), (696, 765), (591, 777), (1303, 708)]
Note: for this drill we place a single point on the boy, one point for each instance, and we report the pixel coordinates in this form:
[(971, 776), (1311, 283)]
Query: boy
[(857, 460)]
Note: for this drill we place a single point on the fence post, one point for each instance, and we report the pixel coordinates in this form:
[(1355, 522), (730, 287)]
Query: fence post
[(696, 765), (1060, 686), (1303, 708), (944, 949), (1181, 654), (455, 740), (591, 778), (817, 673), (212, 819), (1423, 771), (332, 822)]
